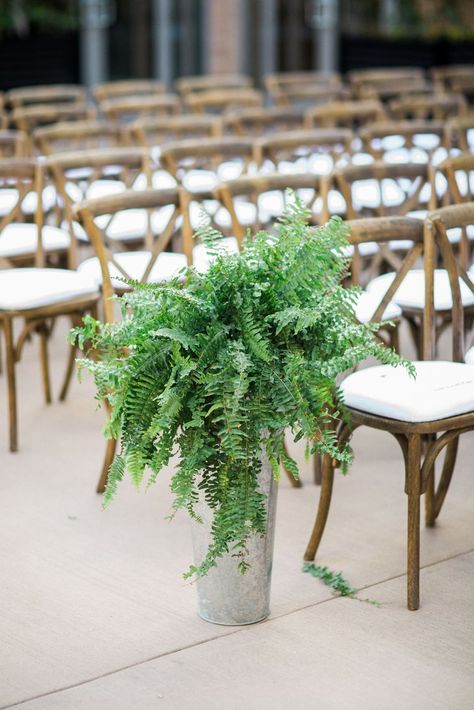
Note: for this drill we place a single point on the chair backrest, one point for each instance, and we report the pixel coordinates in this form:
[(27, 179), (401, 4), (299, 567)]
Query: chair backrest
[(344, 114), (381, 232), (437, 244), (459, 133), (180, 157), (91, 213), (130, 108), (299, 147), (47, 94), (436, 106), (304, 96), (220, 101), (284, 88), (384, 90), (459, 173), (13, 144), (130, 87), (27, 118), (152, 132), (256, 201), (259, 121), (444, 76), (363, 81), (383, 137), (86, 173), (206, 82), (20, 179), (77, 135), (381, 189)]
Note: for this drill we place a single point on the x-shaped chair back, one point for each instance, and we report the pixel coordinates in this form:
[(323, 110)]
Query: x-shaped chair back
[(223, 100), (129, 108), (77, 135), (130, 87), (47, 94), (344, 114), (383, 137), (434, 106), (190, 84), (13, 144), (459, 133), (260, 121)]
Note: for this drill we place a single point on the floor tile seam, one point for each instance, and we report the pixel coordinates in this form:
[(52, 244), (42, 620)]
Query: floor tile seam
[(220, 636)]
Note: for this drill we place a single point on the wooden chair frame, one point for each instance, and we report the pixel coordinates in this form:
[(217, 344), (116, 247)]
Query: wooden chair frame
[(456, 132), (344, 114), (190, 84), (27, 118), (433, 436), (28, 175), (260, 121), (406, 129), (13, 144), (439, 106), (46, 94), (77, 135), (334, 141), (223, 100), (140, 106), (151, 132), (128, 87)]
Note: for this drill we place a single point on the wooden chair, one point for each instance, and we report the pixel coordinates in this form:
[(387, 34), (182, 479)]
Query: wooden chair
[(426, 415), (414, 140), (153, 132), (344, 114), (13, 144), (303, 96), (374, 83), (278, 85), (456, 186), (208, 82), (28, 118), (85, 174), (47, 94), (316, 150), (77, 135), (36, 296), (223, 100), (130, 108), (154, 263), (459, 133), (436, 106), (130, 87), (446, 77), (260, 121)]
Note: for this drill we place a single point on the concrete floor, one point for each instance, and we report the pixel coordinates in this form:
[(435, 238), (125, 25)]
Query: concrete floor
[(94, 614)]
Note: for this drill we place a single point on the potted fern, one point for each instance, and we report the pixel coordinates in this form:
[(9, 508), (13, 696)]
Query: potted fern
[(215, 366)]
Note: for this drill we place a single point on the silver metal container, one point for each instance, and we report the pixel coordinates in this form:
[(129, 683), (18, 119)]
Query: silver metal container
[(225, 596)]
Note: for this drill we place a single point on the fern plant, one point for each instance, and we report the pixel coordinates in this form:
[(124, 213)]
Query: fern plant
[(214, 366)]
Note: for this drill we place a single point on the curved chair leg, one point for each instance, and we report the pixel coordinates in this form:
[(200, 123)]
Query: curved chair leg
[(42, 331), (413, 490), (11, 383), (435, 495), (108, 458), (317, 469), (69, 372), (323, 507)]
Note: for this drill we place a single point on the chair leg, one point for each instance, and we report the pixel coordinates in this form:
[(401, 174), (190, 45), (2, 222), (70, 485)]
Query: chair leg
[(413, 490), (108, 458), (11, 383), (69, 371), (323, 508), (43, 339), (317, 469)]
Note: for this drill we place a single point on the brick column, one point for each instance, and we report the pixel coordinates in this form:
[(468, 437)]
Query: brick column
[(223, 36)]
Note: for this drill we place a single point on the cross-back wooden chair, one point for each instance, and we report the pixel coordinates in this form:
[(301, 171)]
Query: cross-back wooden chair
[(34, 295), (13, 144), (167, 214), (85, 174), (128, 87), (260, 121), (130, 108), (314, 150), (277, 85), (303, 96), (46, 94), (344, 114), (152, 132), (189, 84), (77, 135), (222, 100), (413, 140), (459, 133), (373, 83), (426, 415), (28, 118), (445, 76), (435, 106), (458, 173)]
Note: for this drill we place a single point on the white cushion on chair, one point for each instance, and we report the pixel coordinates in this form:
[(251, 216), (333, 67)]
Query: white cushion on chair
[(367, 304), (411, 292), (441, 389), (21, 289), (202, 259), (134, 264), (21, 239)]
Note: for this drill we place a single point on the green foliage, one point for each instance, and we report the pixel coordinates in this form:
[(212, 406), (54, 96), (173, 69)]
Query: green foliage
[(336, 581), (215, 366)]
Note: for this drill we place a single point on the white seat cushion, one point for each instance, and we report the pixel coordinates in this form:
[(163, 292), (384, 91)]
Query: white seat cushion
[(411, 292), (441, 389), (202, 259), (134, 264), (21, 289), (22, 239), (365, 249), (367, 304)]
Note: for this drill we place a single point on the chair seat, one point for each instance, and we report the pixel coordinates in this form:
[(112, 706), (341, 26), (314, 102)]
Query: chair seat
[(22, 239), (367, 304), (411, 292), (134, 263), (441, 389), (22, 289), (202, 259)]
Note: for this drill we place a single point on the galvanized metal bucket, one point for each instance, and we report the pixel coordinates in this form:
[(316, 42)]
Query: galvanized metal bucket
[(225, 596)]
